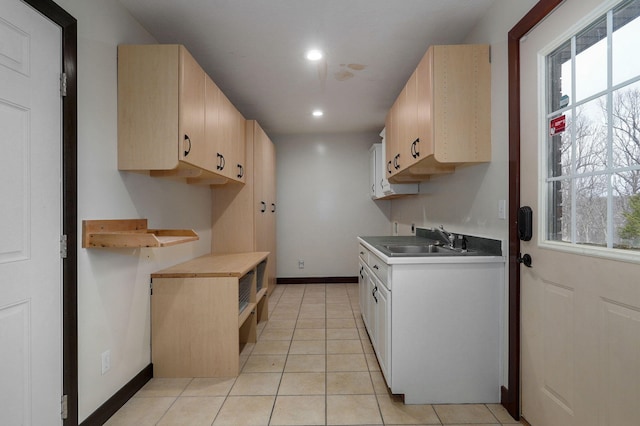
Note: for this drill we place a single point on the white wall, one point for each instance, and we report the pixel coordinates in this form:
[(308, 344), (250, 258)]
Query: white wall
[(324, 203), (113, 284)]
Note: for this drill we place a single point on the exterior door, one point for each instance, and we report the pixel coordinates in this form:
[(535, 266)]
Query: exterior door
[(30, 217), (580, 310)]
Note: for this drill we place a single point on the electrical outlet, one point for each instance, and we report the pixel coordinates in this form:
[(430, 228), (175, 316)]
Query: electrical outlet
[(300, 264), (106, 361)]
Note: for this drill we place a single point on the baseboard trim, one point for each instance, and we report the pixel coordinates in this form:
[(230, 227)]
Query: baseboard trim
[(318, 280), (113, 404)]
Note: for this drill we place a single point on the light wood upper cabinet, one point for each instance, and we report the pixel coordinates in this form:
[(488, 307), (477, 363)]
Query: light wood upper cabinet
[(169, 117), (244, 216), (444, 114), (392, 148), (225, 133)]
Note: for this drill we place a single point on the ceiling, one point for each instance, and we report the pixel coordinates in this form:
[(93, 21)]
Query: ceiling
[(255, 52)]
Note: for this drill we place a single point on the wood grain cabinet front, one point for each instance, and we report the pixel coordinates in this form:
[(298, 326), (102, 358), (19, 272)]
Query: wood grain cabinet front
[(244, 216), (172, 118), (442, 117)]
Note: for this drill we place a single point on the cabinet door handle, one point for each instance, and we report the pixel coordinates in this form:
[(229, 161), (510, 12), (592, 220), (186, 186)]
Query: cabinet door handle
[(219, 165), (373, 293), (414, 148), (187, 149), (396, 162), (362, 253), (264, 207), (222, 162), (240, 171), (273, 207), (381, 183), (389, 166), (375, 267)]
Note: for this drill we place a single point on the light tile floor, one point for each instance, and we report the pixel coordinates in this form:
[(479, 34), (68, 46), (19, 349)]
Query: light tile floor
[(313, 364)]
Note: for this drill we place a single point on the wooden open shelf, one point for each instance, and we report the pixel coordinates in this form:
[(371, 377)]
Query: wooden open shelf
[(131, 233)]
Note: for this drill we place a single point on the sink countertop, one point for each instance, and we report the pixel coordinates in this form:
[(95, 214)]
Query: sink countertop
[(371, 242)]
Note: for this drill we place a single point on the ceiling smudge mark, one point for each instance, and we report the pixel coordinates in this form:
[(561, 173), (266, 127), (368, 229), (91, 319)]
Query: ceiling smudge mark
[(357, 67), (343, 75)]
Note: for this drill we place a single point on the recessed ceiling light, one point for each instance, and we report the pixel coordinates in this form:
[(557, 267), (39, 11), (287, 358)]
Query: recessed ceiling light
[(317, 113), (314, 55)]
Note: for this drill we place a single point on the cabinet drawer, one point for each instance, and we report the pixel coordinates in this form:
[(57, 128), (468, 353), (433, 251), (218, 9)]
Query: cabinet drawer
[(379, 268), (364, 254)]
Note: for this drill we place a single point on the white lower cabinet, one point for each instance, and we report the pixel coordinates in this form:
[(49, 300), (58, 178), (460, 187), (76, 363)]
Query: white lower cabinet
[(383, 327), (375, 305), (436, 327)]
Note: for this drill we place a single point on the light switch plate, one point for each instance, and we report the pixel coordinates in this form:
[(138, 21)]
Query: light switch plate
[(502, 209)]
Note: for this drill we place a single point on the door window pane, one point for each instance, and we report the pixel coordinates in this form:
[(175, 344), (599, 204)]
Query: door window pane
[(590, 130), (591, 70), (559, 218), (626, 27), (559, 77), (560, 148), (626, 210), (626, 126), (591, 210)]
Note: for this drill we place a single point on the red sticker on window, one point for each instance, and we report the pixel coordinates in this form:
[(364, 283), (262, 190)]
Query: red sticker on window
[(558, 125)]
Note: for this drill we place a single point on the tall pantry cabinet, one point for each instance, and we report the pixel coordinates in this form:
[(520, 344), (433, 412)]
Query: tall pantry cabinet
[(244, 216)]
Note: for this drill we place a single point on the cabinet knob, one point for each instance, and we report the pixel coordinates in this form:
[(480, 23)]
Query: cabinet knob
[(187, 148)]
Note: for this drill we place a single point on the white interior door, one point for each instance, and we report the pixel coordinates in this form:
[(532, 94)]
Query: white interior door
[(30, 217), (580, 313)]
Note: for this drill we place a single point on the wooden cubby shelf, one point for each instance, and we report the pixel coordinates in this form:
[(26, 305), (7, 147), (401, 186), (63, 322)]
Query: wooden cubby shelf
[(131, 233)]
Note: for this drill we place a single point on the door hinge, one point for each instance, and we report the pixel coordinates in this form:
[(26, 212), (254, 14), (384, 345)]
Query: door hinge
[(63, 84), (63, 246), (64, 412)]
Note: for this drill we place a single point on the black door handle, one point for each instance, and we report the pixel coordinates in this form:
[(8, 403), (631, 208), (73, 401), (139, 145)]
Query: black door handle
[(525, 259)]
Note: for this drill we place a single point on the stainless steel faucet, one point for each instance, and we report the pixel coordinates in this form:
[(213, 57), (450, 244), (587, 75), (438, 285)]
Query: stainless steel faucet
[(447, 236)]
